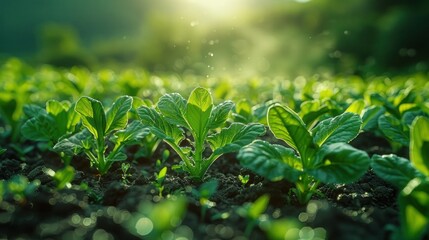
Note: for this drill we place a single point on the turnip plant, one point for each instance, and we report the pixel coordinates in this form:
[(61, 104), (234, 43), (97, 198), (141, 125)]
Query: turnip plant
[(411, 177), (100, 129), (203, 121), (314, 156)]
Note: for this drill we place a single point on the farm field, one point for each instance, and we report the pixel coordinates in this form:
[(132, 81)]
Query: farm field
[(158, 157), (210, 120)]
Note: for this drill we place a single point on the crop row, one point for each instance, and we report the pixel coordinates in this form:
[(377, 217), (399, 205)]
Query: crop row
[(314, 121)]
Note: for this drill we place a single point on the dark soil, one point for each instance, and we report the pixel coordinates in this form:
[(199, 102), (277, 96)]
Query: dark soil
[(363, 210)]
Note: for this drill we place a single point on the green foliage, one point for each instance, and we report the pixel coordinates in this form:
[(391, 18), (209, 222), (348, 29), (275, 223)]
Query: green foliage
[(152, 221), (315, 155), (50, 125), (204, 193), (159, 180), (100, 127), (412, 178), (253, 212), (201, 119), (62, 177), (18, 188)]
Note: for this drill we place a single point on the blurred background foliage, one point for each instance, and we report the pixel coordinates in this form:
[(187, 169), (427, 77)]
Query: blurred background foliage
[(223, 37)]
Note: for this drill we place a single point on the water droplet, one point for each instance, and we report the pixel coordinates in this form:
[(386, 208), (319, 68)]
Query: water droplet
[(211, 54)]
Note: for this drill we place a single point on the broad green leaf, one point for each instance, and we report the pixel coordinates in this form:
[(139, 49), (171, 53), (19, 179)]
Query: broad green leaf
[(414, 209), (340, 163), (274, 162), (133, 133), (54, 107), (198, 111), (356, 107), (41, 128), (370, 117), (406, 107), (159, 127), (286, 125), (377, 99), (234, 137), (59, 112), (419, 146), (393, 130), (173, 107), (342, 128), (243, 112), (220, 114), (396, 170), (73, 118), (33, 110), (74, 144), (117, 116), (92, 115), (408, 117), (311, 111)]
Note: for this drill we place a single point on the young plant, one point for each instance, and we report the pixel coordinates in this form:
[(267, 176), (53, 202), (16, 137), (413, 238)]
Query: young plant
[(204, 193), (62, 177), (253, 213), (125, 174), (48, 126), (244, 179), (159, 180), (101, 126), (200, 118), (315, 155), (412, 178)]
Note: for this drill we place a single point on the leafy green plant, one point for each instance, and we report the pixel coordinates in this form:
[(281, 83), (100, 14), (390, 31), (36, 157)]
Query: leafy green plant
[(159, 180), (47, 126), (101, 126), (204, 193), (253, 213), (412, 178), (62, 177), (125, 167), (50, 124), (19, 188), (2, 150), (315, 155), (200, 118)]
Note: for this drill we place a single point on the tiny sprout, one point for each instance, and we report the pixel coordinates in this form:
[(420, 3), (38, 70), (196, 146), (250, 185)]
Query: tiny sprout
[(244, 179)]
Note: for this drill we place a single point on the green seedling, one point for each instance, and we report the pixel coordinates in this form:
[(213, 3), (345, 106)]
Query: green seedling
[(164, 157), (315, 155), (244, 179), (201, 119), (62, 177), (411, 177), (253, 213), (204, 193), (19, 188), (159, 180), (125, 167), (100, 128)]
